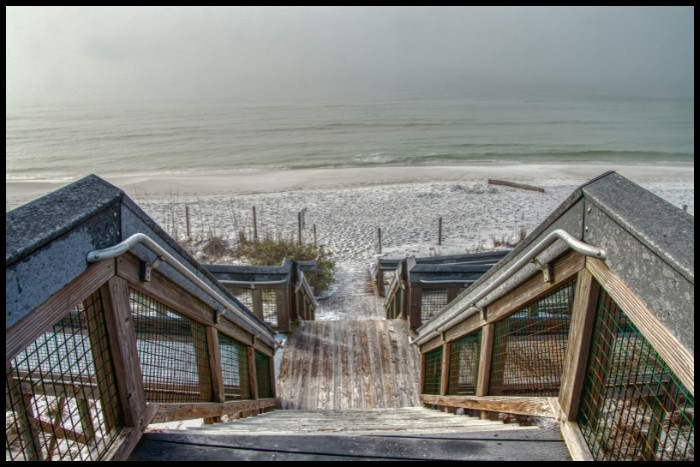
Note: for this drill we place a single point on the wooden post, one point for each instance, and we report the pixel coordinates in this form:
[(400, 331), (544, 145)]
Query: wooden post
[(379, 234), (258, 304), (315, 242), (187, 221), (414, 312), (445, 372), (252, 374), (255, 225), (282, 310), (440, 231), (217, 379), (122, 340), (578, 346), (299, 224), (485, 355)]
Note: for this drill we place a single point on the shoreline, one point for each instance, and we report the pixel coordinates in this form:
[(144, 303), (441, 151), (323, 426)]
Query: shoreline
[(257, 181)]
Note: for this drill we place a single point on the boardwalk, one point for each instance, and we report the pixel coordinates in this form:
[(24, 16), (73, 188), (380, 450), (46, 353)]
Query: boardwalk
[(349, 365)]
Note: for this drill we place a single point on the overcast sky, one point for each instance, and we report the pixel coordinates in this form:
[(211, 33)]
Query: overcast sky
[(131, 53)]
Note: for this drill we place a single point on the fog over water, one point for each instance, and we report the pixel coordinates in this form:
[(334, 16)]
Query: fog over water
[(272, 54)]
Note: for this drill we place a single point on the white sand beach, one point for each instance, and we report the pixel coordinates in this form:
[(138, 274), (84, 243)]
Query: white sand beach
[(347, 206)]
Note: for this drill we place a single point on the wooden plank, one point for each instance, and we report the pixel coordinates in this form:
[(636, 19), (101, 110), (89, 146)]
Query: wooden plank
[(365, 370), (445, 371), (485, 356), (575, 441), (677, 357), (432, 344), (521, 186), (164, 290), (252, 374), (564, 269), (217, 379), (258, 303), (122, 339), (282, 310), (414, 319), (465, 327), (389, 383), (535, 406), (326, 384), (381, 389), (128, 438), (582, 321), (185, 446), (38, 321), (189, 411)]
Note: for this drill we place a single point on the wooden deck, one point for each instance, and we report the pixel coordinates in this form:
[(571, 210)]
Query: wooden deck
[(388, 434), (349, 364)]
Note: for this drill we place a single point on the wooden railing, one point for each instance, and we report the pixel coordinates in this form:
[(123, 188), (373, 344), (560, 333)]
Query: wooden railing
[(109, 354), (280, 301), (95, 352), (579, 347)]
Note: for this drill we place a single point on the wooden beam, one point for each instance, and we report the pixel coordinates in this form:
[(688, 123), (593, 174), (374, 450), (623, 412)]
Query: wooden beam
[(122, 339), (445, 372), (578, 346), (128, 438), (164, 290), (535, 406), (215, 365), (30, 327), (521, 186), (252, 374), (469, 325), (564, 269), (575, 441), (485, 355), (194, 410), (669, 348)]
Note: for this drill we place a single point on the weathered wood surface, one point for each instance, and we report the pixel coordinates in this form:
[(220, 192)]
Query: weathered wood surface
[(522, 186), (535, 406), (509, 444), (406, 420), (188, 411), (349, 364)]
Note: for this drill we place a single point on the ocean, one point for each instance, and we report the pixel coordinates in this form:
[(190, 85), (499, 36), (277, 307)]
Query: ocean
[(197, 137)]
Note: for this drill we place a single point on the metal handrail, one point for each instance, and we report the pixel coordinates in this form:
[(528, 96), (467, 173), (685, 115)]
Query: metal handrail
[(252, 283), (447, 281), (141, 238), (436, 326)]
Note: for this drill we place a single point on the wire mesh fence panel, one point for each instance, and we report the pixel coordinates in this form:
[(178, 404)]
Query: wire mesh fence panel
[(432, 363), (263, 375), (432, 301), (269, 306), (464, 365), (61, 400), (393, 305), (172, 352), (234, 368), (632, 406), (530, 346), (388, 278), (245, 296)]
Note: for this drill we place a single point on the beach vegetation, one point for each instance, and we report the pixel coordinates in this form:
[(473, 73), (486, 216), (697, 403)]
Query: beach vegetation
[(269, 251)]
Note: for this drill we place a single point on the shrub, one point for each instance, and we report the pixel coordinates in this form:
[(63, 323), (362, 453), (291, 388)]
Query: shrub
[(268, 252)]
